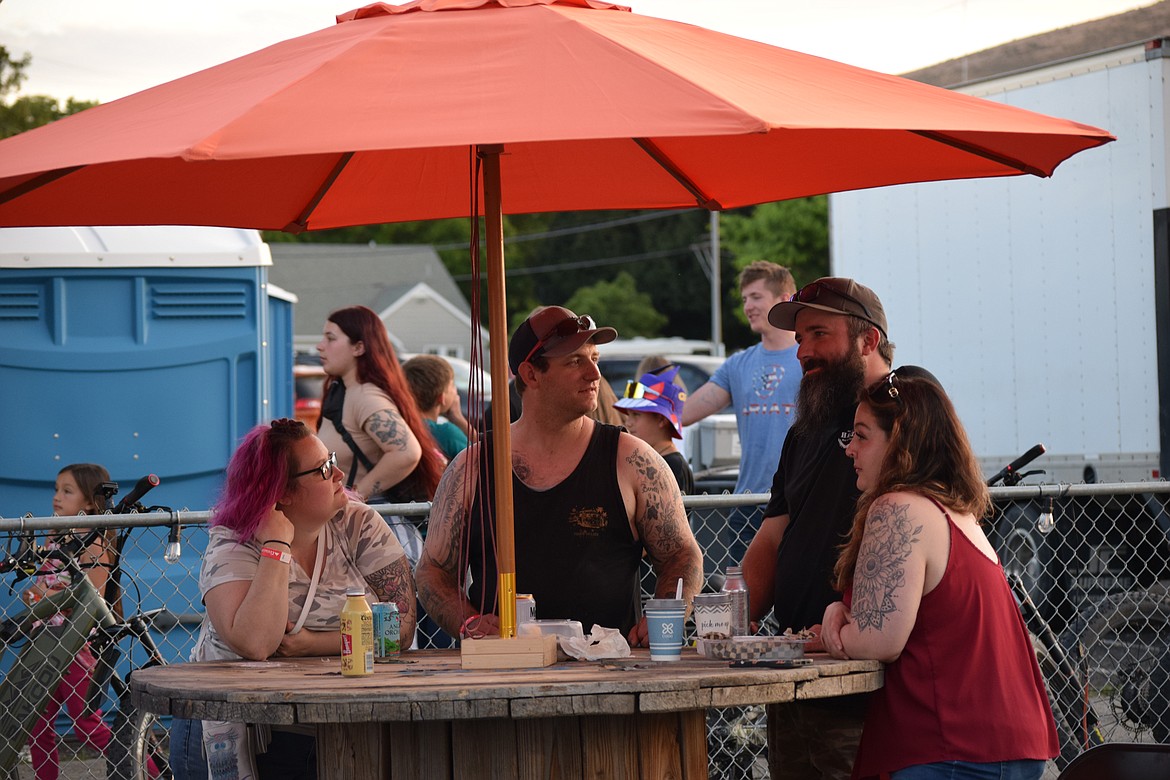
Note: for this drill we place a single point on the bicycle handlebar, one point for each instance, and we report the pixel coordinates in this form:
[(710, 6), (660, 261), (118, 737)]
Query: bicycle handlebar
[(1012, 469), (29, 557), (141, 488)]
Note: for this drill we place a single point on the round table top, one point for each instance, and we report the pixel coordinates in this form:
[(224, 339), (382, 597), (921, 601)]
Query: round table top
[(431, 685)]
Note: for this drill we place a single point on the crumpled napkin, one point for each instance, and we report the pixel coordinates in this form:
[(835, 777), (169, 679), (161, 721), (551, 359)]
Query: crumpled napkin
[(601, 643)]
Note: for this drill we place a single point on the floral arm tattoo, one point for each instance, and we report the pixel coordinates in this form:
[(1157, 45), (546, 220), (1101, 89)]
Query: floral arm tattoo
[(396, 583), (881, 563), (662, 524)]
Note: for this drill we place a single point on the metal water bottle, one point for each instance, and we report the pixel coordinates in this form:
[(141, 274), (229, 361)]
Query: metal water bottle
[(357, 635), (735, 586)]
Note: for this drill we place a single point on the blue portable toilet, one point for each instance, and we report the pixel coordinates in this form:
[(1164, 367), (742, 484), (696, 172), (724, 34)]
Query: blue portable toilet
[(146, 349)]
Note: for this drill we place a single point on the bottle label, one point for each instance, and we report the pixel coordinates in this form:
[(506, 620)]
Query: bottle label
[(357, 639)]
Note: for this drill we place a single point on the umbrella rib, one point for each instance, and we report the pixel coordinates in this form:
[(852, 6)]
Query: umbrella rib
[(971, 148), (660, 157), (36, 183), (301, 223)]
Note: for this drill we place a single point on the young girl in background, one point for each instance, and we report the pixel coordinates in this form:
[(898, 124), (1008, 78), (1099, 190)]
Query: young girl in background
[(75, 494)]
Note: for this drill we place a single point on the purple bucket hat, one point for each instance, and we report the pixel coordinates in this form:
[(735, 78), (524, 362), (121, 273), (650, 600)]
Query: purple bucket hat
[(656, 394)]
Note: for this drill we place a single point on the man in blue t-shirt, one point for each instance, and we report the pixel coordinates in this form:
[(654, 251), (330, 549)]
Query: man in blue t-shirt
[(761, 384)]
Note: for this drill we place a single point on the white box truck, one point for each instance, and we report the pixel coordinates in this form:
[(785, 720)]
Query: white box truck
[(1041, 304)]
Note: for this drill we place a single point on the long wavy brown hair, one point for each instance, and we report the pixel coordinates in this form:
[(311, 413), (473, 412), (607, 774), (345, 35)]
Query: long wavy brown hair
[(379, 365), (928, 454)]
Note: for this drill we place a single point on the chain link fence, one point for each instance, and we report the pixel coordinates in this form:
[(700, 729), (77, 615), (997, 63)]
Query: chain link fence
[(1094, 560)]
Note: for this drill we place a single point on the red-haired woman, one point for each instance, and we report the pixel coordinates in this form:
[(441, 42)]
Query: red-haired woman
[(369, 416)]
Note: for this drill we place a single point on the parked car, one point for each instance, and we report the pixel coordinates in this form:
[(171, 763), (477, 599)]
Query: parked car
[(694, 370), (308, 382)]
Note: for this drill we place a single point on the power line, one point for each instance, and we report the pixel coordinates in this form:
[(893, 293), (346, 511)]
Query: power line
[(576, 229), (544, 269)]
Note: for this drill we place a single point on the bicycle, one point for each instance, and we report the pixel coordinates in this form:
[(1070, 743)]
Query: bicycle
[(49, 650), (1077, 724)]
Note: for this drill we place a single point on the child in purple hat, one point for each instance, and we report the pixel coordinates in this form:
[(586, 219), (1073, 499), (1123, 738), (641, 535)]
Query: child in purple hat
[(652, 408)]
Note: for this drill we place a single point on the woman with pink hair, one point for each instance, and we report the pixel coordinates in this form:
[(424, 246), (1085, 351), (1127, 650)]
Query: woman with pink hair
[(286, 543)]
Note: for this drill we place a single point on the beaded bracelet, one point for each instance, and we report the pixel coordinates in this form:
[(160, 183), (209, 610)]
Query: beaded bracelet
[(267, 542), (276, 555)]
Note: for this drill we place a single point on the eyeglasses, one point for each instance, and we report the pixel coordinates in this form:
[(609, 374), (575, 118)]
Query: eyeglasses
[(814, 290), (561, 331), (885, 386), (325, 469)]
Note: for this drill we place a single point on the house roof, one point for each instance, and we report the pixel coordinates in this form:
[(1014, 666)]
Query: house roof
[(326, 277), (1132, 27)]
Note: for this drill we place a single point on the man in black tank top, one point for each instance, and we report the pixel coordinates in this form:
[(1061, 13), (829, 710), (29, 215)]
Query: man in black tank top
[(589, 499)]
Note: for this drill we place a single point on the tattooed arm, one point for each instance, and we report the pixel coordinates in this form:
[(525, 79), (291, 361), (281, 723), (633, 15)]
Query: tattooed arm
[(437, 573), (395, 583), (660, 521), (889, 577), (401, 452)]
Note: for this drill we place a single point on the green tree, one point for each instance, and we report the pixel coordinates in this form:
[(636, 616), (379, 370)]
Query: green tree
[(25, 113), (793, 233), (618, 304)]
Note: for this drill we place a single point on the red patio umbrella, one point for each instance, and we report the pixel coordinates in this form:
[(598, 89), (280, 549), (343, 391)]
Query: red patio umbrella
[(571, 104)]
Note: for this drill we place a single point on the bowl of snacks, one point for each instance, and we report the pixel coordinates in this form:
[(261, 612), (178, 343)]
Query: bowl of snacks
[(753, 648)]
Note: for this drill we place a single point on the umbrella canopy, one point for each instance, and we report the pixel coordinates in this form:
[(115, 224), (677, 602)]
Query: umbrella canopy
[(371, 121), (569, 104)]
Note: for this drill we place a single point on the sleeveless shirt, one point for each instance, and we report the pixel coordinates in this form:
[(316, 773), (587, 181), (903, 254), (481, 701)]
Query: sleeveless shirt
[(575, 552), (966, 686)]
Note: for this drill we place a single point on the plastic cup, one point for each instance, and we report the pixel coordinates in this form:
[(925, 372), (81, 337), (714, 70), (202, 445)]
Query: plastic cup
[(664, 622), (712, 615)]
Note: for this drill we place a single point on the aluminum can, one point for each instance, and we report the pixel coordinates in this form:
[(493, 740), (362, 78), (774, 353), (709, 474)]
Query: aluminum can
[(357, 635), (736, 587), (387, 626), (525, 608)]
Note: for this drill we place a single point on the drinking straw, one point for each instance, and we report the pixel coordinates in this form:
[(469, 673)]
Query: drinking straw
[(678, 589)]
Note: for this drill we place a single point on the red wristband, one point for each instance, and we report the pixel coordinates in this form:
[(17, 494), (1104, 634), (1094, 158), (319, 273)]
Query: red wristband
[(276, 555), (463, 632)]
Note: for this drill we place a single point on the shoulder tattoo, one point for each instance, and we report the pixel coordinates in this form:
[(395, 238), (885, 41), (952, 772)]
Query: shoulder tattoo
[(881, 563), (388, 427), (659, 525)]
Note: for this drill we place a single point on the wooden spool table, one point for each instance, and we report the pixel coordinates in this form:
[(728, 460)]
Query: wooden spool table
[(427, 718)]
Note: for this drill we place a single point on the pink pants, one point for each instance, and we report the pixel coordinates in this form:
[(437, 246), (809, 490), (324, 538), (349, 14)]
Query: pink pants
[(90, 729)]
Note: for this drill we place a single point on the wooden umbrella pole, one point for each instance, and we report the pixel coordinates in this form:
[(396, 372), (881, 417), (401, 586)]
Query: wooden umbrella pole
[(501, 414)]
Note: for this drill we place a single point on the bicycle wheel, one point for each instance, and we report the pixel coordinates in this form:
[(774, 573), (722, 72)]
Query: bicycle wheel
[(1126, 639), (137, 750)]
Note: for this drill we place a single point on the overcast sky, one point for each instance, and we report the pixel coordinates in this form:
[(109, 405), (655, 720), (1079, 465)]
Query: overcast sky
[(105, 49)]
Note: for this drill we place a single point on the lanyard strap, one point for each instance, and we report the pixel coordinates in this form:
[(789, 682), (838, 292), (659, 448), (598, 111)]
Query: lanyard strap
[(318, 564)]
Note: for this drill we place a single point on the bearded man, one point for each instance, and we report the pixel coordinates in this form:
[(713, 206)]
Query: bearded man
[(840, 328)]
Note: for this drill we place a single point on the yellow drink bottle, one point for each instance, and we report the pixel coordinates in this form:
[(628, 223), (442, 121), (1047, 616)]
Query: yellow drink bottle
[(357, 635)]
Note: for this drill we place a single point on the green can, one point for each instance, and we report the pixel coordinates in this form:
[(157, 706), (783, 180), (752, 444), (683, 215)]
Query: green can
[(387, 630)]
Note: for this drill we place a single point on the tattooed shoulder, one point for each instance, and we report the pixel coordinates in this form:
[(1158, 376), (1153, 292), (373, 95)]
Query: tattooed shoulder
[(881, 562), (388, 427)]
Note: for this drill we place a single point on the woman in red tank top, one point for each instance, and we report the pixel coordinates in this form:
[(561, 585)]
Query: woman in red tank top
[(924, 592)]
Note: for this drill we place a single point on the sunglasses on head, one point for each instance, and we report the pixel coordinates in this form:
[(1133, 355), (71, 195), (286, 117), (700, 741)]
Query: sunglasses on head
[(885, 386), (815, 290), (639, 390), (325, 469), (562, 330)]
